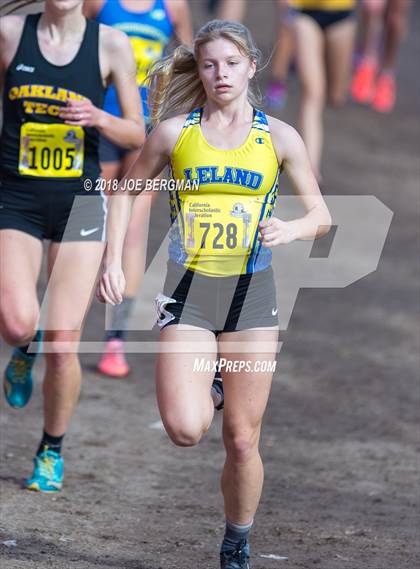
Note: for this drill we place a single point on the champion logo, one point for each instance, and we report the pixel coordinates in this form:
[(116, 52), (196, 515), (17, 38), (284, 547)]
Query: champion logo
[(23, 67), (259, 140), (87, 232)]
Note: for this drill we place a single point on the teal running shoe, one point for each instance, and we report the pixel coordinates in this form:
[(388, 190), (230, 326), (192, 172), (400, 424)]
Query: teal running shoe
[(48, 472), (17, 382), (237, 558)]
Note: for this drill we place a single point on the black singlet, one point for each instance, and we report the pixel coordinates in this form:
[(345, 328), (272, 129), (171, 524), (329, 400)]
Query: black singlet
[(37, 148)]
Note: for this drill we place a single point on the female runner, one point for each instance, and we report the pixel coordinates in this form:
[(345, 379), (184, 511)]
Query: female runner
[(324, 35), (54, 67), (150, 26), (219, 290)]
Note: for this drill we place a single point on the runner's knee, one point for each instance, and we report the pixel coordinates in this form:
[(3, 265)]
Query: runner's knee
[(241, 446), (61, 350), (183, 434), (17, 329), (314, 95)]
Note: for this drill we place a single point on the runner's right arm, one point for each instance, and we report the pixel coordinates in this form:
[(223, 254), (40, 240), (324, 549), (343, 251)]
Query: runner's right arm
[(117, 67), (153, 158), (11, 28)]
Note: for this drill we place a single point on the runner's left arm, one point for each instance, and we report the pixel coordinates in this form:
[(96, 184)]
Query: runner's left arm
[(293, 158), (119, 67)]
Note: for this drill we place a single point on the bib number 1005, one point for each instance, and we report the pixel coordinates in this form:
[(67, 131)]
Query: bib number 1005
[(46, 158), (51, 150)]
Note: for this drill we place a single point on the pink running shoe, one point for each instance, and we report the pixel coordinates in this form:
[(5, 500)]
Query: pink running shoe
[(384, 99), (113, 362), (363, 82)]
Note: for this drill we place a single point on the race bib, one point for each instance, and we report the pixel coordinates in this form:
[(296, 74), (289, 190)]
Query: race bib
[(146, 52), (220, 224), (51, 150)]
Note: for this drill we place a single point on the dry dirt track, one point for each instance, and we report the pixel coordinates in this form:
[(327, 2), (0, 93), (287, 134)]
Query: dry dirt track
[(340, 441)]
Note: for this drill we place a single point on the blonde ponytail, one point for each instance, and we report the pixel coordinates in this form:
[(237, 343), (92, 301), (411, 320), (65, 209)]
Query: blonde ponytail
[(175, 87)]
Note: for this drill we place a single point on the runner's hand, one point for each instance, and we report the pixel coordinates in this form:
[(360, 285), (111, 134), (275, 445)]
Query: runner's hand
[(111, 285), (274, 231), (80, 113)]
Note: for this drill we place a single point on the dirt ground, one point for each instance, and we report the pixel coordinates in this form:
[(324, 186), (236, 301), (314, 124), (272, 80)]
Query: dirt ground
[(340, 442)]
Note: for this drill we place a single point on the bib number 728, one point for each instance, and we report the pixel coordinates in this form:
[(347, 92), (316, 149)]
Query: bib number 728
[(219, 225), (231, 231)]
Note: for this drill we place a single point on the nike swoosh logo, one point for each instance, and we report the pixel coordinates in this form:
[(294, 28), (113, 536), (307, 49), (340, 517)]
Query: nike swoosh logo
[(274, 311), (86, 232)]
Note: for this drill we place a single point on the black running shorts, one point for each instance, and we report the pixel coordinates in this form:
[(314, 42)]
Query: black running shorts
[(56, 214), (219, 304)]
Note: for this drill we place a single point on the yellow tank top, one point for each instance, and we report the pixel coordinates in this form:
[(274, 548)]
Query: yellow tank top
[(327, 5), (225, 194)]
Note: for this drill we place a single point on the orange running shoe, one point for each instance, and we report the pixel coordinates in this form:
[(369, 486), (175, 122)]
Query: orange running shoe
[(113, 362), (384, 99), (363, 82)]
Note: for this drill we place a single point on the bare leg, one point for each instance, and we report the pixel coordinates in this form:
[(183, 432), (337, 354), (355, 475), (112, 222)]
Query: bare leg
[(373, 12), (232, 10), (20, 263), (112, 362), (395, 27), (69, 300), (276, 92), (311, 67), (62, 381), (340, 44), (246, 396), (183, 395), (285, 45), (385, 89)]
